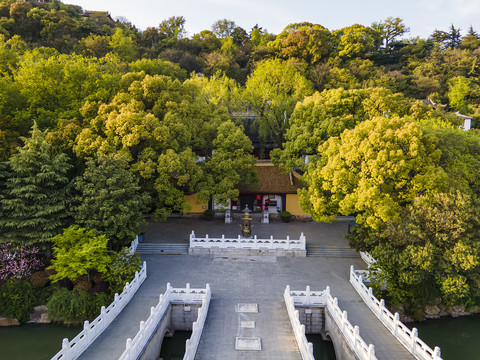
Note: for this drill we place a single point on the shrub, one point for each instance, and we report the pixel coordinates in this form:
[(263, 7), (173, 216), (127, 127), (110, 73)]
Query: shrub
[(43, 294), (97, 278), (285, 216), (122, 269), (74, 307), (79, 252), (18, 261), (16, 299), (39, 279), (99, 287), (208, 214), (84, 285)]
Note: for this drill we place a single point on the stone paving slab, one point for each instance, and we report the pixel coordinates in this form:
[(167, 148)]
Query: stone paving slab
[(247, 281), (247, 308), (247, 324), (248, 343)]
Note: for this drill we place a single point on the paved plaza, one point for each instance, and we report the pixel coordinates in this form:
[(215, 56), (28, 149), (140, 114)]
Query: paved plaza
[(257, 280)]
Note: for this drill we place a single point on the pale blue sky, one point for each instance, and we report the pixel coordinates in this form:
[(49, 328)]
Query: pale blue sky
[(422, 16)]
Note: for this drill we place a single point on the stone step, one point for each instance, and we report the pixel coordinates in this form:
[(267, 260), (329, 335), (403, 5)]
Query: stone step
[(327, 251), (162, 249)]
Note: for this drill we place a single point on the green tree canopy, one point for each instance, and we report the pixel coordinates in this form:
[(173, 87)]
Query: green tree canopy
[(56, 86), (77, 252), (273, 90), (223, 28), (373, 170), (327, 114), (389, 29), (168, 131), (433, 251), (36, 193), (109, 200), (303, 41), (356, 41)]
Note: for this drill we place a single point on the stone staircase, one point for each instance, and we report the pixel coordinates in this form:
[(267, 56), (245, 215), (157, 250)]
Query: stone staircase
[(162, 249), (332, 251)]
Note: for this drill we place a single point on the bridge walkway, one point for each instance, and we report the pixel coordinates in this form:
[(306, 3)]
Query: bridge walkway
[(260, 280), (373, 331)]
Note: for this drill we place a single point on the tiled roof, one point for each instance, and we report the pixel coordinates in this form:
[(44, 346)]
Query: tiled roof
[(272, 181)]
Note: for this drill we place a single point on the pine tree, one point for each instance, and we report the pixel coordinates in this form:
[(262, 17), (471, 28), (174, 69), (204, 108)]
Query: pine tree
[(109, 200), (36, 192)]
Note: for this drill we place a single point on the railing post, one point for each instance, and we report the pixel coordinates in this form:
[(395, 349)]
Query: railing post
[(129, 347), (436, 353), (414, 337), (371, 352), (187, 346), (66, 349), (86, 329), (103, 317), (307, 292), (382, 307), (356, 335), (396, 320), (344, 319), (310, 348)]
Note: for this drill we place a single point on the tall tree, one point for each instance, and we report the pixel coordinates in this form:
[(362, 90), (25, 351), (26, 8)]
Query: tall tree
[(471, 41), (223, 28), (173, 28), (372, 170), (390, 29), (432, 252), (109, 200), (356, 41), (273, 90), (303, 41), (123, 45), (328, 114), (37, 193)]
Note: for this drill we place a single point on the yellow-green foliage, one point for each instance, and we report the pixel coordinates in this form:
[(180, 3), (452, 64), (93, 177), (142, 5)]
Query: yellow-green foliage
[(79, 252)]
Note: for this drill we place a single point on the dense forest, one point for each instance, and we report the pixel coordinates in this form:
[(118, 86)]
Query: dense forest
[(101, 122)]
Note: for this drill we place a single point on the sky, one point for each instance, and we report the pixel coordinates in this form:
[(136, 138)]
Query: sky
[(421, 16)]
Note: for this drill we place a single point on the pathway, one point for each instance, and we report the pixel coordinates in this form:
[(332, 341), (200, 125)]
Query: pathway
[(236, 279)]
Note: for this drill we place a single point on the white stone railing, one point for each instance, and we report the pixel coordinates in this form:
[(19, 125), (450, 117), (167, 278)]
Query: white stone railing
[(191, 345), (133, 246), (308, 297), (74, 348), (369, 259), (350, 333), (408, 338), (306, 348), (135, 347), (244, 243)]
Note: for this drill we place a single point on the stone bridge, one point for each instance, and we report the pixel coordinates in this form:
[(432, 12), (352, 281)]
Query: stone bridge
[(255, 281)]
